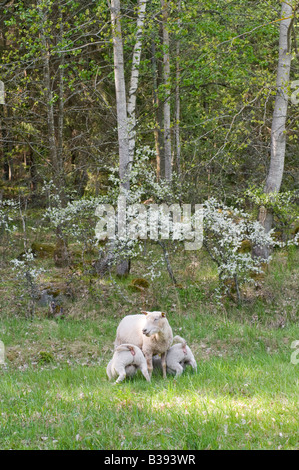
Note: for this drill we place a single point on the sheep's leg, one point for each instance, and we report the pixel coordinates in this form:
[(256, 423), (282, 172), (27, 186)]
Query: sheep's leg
[(163, 364), (190, 363), (149, 362), (121, 372), (108, 370), (145, 373), (178, 369)]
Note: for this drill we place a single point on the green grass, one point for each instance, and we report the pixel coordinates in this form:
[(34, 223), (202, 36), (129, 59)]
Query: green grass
[(244, 395), (54, 393), (228, 404)]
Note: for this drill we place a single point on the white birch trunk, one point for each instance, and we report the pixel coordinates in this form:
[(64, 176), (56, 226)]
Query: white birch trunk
[(278, 129), (131, 108), (126, 112), (121, 102), (177, 101), (166, 107)]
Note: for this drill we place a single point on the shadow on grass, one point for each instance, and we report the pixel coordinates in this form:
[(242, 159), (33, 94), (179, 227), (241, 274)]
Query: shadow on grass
[(227, 404)]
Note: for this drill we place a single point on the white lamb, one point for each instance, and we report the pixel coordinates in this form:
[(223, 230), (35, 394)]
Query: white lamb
[(149, 331), (178, 357), (126, 360)]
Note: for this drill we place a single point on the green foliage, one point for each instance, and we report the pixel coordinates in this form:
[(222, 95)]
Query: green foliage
[(284, 205), (227, 63)]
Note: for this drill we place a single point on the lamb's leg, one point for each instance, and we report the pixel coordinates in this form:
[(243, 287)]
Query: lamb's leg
[(121, 371), (178, 369), (108, 370), (191, 363), (163, 364), (145, 373)]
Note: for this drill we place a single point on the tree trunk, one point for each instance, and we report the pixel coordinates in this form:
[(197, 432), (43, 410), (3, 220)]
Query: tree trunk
[(32, 171), (158, 110), (166, 164), (121, 111), (55, 132), (278, 129), (131, 108), (126, 112), (121, 102), (6, 144), (60, 119), (177, 101), (55, 149)]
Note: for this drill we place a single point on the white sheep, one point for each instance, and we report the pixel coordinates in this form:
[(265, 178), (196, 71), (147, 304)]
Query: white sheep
[(178, 357), (150, 331), (126, 360)]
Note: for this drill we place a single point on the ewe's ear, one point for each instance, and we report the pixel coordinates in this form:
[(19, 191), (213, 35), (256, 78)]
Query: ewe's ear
[(144, 311)]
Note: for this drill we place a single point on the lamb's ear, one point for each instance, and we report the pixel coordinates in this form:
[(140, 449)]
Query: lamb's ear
[(163, 314), (144, 311)]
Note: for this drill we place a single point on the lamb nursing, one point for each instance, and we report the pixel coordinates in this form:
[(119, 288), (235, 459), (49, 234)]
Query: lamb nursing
[(178, 357), (150, 331), (126, 360)]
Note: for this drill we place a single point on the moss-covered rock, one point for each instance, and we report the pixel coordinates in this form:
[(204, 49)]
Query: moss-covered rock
[(138, 285), (140, 282), (42, 250)]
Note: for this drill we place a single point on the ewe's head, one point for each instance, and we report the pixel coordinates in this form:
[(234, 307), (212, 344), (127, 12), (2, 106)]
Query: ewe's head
[(155, 322)]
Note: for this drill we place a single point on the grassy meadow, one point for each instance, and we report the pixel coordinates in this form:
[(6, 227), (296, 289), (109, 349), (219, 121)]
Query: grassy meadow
[(54, 392)]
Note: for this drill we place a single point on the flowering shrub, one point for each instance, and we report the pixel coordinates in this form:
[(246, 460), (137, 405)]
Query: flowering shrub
[(6, 209), (284, 206), (27, 273), (25, 267), (225, 231), (75, 222)]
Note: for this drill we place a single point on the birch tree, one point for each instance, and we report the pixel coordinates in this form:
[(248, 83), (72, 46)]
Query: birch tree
[(177, 99), (133, 87), (121, 100), (165, 161), (278, 129), (126, 108)]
